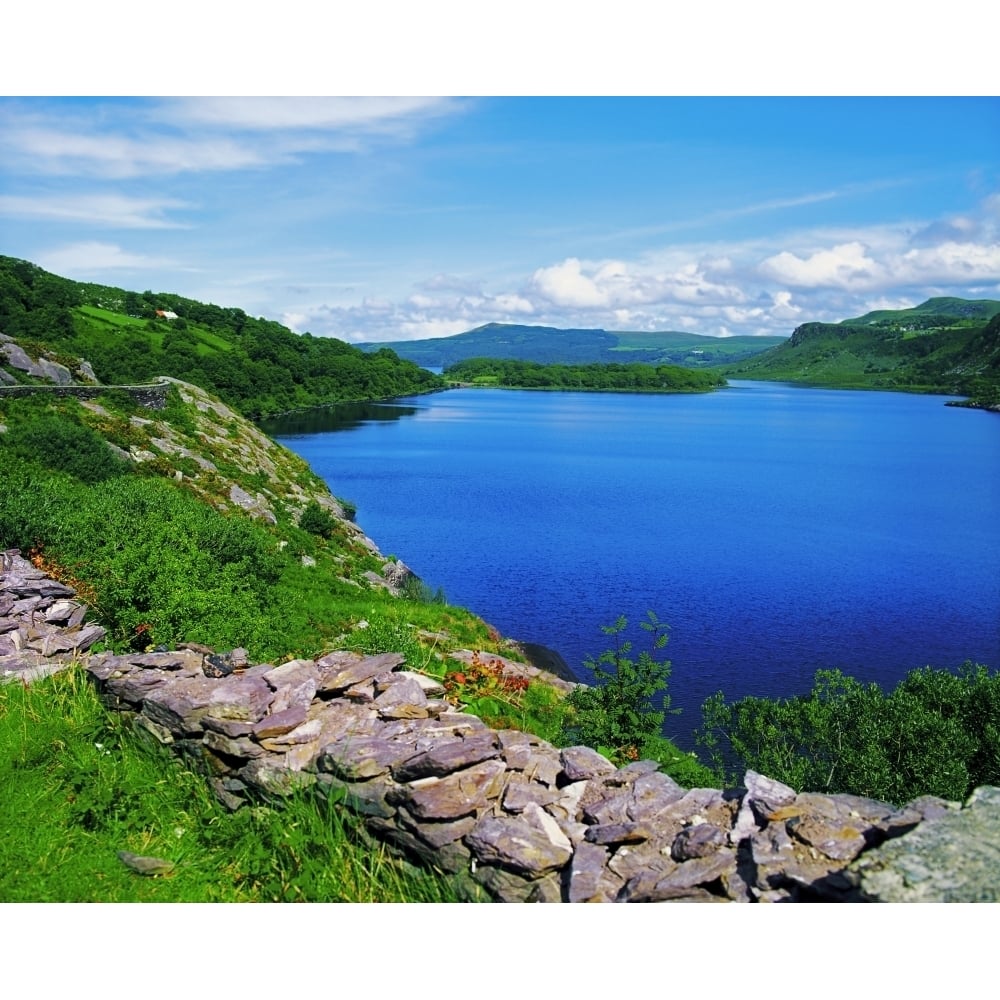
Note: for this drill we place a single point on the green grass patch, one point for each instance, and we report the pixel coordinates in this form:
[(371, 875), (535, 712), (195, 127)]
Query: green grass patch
[(79, 785)]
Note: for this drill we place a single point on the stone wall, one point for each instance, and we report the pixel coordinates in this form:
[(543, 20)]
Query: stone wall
[(152, 397), (503, 810)]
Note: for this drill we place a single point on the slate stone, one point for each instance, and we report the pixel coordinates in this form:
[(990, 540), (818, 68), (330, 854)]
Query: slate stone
[(241, 746), (589, 880), (240, 696), (404, 691), (455, 795), (217, 665), (513, 845), (336, 677), (161, 734), (652, 793), (161, 661), (617, 833), (278, 723), (367, 798), (307, 732), (580, 763), (611, 809), (698, 841), (233, 728), (535, 816), (689, 879), (437, 833), (134, 687), (263, 775), (446, 757), (363, 757), (60, 612), (765, 795), (838, 840), (510, 887), (519, 792)]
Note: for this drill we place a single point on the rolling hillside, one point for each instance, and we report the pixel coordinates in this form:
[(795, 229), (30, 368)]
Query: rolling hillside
[(945, 345), (256, 365), (550, 345)]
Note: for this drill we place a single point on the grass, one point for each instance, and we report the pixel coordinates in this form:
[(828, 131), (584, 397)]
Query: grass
[(79, 785)]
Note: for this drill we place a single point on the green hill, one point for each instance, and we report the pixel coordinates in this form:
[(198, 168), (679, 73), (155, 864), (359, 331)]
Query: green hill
[(551, 345), (256, 365), (945, 345)]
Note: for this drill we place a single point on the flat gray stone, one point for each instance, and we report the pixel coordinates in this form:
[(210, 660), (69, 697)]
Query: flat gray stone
[(456, 795), (450, 756), (514, 845), (954, 858), (337, 676)]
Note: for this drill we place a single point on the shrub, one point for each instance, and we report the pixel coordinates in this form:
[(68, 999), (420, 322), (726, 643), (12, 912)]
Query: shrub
[(316, 520), (58, 443), (618, 716), (935, 733)]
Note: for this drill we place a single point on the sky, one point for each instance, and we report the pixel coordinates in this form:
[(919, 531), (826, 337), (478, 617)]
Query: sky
[(398, 218)]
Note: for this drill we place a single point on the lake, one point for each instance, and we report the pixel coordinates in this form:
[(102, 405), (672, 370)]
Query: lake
[(777, 529)]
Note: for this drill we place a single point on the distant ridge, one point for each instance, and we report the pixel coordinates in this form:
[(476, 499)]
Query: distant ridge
[(552, 345), (944, 345)]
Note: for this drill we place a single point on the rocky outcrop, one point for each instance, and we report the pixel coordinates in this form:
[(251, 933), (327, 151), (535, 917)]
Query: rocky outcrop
[(58, 380), (42, 628), (501, 810)]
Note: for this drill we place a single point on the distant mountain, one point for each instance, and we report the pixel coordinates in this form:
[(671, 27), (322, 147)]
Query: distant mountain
[(945, 345), (256, 365), (551, 345)]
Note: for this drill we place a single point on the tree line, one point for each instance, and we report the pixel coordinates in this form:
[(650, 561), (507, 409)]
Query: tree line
[(591, 377)]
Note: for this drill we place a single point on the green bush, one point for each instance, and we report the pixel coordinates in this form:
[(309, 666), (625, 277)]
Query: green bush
[(317, 520), (618, 716), (935, 733), (58, 443)]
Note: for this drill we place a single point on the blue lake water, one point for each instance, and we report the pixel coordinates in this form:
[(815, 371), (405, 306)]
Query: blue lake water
[(777, 529)]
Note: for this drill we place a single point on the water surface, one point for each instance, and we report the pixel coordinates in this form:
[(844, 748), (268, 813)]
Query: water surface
[(778, 529)]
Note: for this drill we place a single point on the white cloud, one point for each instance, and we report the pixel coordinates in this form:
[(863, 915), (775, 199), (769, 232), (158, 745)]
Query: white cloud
[(845, 266), (513, 304), (418, 328), (207, 135), (948, 264), (113, 211), (565, 284), (379, 114), (113, 155), (783, 308), (90, 258)]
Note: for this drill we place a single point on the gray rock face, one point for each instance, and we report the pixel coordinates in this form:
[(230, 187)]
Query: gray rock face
[(952, 858), (506, 811)]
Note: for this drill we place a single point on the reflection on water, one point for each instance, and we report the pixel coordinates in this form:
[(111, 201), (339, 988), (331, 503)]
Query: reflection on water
[(339, 417)]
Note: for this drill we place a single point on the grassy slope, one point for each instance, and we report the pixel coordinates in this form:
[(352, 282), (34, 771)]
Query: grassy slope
[(926, 349)]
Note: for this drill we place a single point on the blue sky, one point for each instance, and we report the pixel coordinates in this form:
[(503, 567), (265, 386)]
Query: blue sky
[(400, 218)]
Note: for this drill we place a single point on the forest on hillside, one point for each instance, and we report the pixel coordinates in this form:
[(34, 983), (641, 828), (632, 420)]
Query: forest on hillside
[(256, 365)]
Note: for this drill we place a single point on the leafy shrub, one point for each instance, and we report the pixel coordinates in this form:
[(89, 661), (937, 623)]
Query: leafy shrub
[(935, 733), (316, 520), (618, 716), (58, 443)]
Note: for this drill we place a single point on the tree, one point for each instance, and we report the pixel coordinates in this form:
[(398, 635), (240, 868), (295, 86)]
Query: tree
[(619, 715)]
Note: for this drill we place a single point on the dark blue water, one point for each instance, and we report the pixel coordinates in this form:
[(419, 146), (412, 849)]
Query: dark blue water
[(777, 529)]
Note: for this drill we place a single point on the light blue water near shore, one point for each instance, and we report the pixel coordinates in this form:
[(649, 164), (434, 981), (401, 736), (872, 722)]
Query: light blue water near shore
[(778, 529)]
